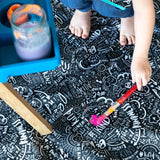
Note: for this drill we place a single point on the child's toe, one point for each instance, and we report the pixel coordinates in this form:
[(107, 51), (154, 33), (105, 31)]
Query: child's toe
[(85, 33), (129, 38), (79, 34), (76, 31), (72, 28), (123, 40), (133, 39)]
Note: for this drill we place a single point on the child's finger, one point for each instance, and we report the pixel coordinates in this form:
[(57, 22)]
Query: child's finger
[(150, 73), (145, 81), (139, 83), (133, 80)]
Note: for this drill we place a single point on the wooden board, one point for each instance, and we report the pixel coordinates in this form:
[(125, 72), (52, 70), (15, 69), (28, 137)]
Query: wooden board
[(24, 109)]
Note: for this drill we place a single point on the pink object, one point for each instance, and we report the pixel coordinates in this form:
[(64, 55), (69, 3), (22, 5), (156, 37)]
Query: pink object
[(101, 119), (95, 120)]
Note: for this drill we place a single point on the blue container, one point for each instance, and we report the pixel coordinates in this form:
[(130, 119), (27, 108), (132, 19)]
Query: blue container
[(10, 63)]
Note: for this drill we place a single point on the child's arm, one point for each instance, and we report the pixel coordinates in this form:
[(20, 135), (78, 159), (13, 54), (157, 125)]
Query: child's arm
[(144, 19)]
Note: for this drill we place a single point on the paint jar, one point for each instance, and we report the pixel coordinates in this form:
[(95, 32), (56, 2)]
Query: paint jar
[(32, 38)]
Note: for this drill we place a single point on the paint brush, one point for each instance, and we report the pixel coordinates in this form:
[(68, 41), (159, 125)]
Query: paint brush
[(98, 120)]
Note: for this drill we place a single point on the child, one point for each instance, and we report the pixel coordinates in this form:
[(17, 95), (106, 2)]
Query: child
[(137, 24)]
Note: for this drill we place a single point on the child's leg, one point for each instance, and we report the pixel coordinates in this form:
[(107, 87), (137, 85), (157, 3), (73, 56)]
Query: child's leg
[(80, 23), (127, 19)]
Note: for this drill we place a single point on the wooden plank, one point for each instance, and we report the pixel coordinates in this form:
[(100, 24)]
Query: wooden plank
[(24, 109)]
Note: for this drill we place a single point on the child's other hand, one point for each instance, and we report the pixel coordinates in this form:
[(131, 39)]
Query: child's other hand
[(141, 71)]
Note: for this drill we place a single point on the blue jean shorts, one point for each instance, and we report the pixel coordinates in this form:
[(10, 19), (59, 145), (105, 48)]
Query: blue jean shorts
[(101, 7)]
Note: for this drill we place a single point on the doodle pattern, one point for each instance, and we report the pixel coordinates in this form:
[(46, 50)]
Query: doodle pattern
[(93, 74)]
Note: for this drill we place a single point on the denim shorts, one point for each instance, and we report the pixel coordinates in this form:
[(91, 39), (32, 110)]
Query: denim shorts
[(101, 7)]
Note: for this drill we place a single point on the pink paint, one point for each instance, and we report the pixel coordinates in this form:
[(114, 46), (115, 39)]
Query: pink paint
[(100, 119), (95, 120)]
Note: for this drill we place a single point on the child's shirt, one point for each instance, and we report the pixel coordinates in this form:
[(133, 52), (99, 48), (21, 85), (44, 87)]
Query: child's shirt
[(122, 4)]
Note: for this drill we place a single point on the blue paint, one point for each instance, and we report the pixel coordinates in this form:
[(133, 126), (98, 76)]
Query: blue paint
[(114, 4)]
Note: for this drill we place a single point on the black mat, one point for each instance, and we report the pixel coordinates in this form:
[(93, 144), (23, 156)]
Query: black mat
[(93, 74)]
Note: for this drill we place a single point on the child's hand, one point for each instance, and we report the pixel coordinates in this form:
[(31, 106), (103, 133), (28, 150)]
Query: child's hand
[(141, 71)]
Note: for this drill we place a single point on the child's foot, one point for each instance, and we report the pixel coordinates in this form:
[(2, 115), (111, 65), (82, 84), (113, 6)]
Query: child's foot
[(81, 23), (127, 31)]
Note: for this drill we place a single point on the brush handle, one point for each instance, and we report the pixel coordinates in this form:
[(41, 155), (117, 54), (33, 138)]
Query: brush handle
[(111, 109), (127, 94)]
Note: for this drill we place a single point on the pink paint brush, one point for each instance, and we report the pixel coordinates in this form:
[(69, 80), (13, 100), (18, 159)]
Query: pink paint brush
[(98, 120)]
